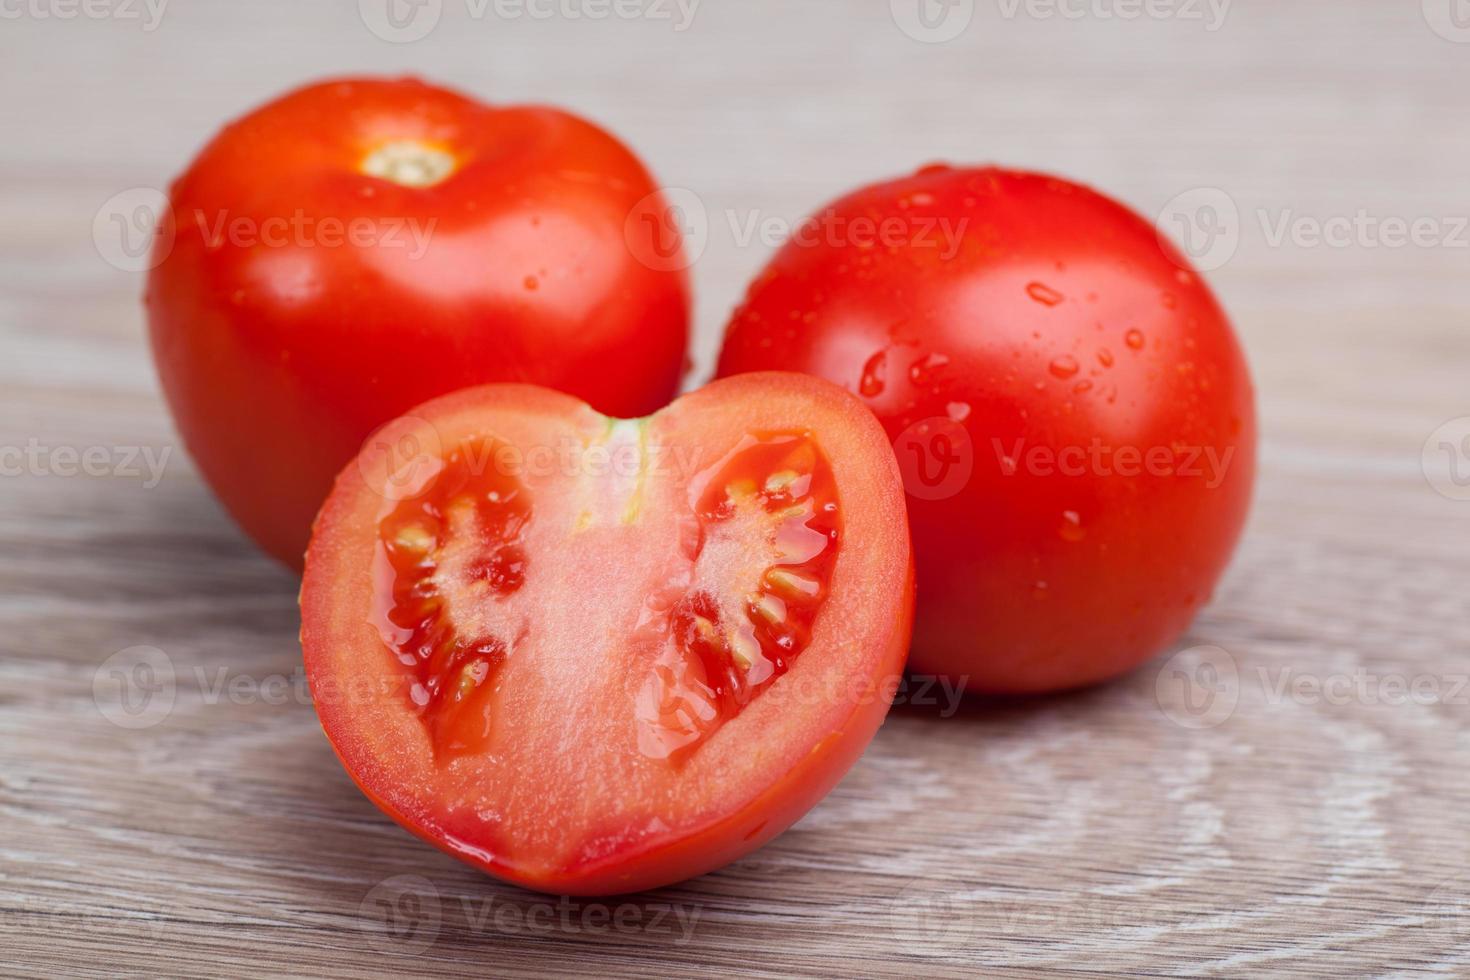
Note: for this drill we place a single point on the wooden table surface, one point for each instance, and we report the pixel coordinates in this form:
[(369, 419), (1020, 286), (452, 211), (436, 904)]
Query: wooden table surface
[(1286, 796)]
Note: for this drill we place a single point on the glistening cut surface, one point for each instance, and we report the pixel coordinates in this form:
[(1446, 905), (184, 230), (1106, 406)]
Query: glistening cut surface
[(759, 552), (757, 548), (446, 560), (625, 663)]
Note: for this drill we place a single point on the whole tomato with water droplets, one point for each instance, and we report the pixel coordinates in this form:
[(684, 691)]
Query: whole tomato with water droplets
[(359, 246), (1070, 406)]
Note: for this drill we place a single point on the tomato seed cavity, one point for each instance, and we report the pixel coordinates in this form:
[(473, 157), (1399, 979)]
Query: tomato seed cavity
[(464, 529), (715, 657)]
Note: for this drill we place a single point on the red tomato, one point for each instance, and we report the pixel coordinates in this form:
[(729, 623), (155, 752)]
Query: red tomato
[(594, 656), (1071, 409), (357, 247)]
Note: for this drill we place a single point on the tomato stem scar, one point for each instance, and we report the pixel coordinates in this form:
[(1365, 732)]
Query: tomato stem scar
[(410, 163)]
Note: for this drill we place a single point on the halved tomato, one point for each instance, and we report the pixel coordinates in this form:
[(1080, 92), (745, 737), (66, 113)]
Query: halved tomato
[(594, 656)]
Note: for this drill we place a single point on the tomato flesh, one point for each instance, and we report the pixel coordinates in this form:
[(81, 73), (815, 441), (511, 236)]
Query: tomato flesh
[(595, 679)]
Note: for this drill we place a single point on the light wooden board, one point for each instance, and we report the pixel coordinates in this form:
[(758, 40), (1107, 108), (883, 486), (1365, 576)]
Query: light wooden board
[(1099, 832)]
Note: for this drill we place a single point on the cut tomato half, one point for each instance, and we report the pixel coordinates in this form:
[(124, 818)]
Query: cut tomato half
[(595, 656)]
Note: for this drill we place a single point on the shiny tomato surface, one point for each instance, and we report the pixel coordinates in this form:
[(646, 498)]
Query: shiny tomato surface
[(1069, 404), (359, 246), (592, 655)]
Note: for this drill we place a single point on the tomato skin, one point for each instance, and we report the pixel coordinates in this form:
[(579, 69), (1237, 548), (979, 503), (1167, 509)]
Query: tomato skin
[(1054, 336), (298, 302), (759, 774)]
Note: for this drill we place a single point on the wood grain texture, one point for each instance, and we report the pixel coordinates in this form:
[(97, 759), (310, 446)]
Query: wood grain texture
[(1103, 832)]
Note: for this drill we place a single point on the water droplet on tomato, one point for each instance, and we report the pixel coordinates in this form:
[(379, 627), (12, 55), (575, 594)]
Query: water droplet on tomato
[(1072, 529), (1043, 293), (957, 411), (921, 372), (1134, 339), (1064, 366), (872, 382)]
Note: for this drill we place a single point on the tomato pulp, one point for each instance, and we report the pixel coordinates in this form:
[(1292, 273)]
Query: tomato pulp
[(360, 246), (595, 656), (1071, 408)]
